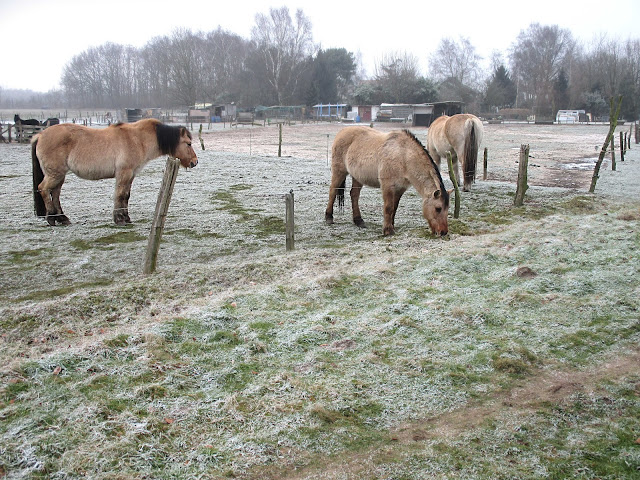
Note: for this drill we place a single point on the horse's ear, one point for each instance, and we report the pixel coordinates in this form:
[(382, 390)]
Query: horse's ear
[(450, 191)]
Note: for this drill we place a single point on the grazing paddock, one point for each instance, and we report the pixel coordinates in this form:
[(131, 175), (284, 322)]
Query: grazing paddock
[(506, 350)]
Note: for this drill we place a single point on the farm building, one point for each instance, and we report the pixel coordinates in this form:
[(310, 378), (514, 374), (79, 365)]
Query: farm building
[(394, 112), (199, 115), (365, 113), (280, 112), (134, 114), (572, 116), (328, 111), (224, 112), (425, 113)]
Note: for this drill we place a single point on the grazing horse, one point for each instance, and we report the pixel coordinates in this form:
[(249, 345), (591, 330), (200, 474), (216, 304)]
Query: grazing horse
[(390, 161), (51, 121), (18, 121), (120, 151), (461, 135)]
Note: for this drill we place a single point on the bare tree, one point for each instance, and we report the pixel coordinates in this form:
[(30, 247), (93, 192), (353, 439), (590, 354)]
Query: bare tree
[(224, 62), (187, 66), (537, 57), (284, 46), (396, 76), (154, 79), (456, 60)]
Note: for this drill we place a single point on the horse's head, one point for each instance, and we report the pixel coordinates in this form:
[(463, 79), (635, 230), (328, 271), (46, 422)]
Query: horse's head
[(435, 209), (16, 118), (184, 151)]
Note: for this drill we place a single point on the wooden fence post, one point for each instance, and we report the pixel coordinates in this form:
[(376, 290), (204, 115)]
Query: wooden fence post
[(522, 187), (279, 140), (289, 223), (162, 206), (612, 127), (623, 145), (613, 151), (456, 189), (200, 137), (486, 156)]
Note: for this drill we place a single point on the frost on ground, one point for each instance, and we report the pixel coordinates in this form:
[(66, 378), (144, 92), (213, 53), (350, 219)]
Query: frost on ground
[(237, 358)]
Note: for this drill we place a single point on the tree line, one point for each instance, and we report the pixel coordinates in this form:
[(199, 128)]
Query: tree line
[(545, 69)]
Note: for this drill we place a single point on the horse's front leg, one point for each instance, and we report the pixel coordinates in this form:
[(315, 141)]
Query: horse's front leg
[(397, 196), (124, 179), (390, 205)]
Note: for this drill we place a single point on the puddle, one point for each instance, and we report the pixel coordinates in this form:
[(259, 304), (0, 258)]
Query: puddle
[(583, 164)]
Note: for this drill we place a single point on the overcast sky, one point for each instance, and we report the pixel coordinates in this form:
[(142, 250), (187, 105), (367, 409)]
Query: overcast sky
[(41, 36)]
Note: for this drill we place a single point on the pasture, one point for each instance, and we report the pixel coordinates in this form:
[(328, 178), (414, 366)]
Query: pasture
[(508, 349)]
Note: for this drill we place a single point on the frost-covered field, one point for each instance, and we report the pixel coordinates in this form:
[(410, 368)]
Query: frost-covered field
[(372, 357)]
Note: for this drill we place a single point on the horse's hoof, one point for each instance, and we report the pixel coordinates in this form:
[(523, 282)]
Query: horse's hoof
[(51, 221), (328, 219), (388, 232), (359, 222)]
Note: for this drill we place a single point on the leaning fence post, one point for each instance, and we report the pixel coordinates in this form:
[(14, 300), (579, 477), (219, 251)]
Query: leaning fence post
[(162, 206), (452, 176), (522, 176), (613, 122), (289, 223)]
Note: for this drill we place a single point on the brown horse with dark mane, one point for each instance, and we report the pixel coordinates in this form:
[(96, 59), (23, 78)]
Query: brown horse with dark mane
[(392, 162), (120, 151)]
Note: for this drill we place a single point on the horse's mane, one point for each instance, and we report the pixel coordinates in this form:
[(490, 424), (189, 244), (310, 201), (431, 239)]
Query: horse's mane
[(433, 164), (169, 137)]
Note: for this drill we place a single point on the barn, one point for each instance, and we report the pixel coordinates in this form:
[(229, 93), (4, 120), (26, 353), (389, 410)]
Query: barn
[(425, 113)]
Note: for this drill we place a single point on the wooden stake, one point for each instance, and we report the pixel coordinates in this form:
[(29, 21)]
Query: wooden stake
[(200, 137), (522, 187), (162, 206), (613, 152), (456, 189), (623, 144), (280, 140), (289, 223), (613, 123)]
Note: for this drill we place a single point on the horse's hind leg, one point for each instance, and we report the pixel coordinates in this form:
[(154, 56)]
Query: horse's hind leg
[(356, 188), (336, 189), (55, 198), (124, 179), (49, 189)]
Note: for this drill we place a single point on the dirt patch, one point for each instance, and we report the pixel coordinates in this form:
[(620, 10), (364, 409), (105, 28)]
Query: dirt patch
[(548, 387)]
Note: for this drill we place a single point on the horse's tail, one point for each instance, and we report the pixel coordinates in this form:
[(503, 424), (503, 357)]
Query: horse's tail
[(340, 194), (470, 152), (38, 176)]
